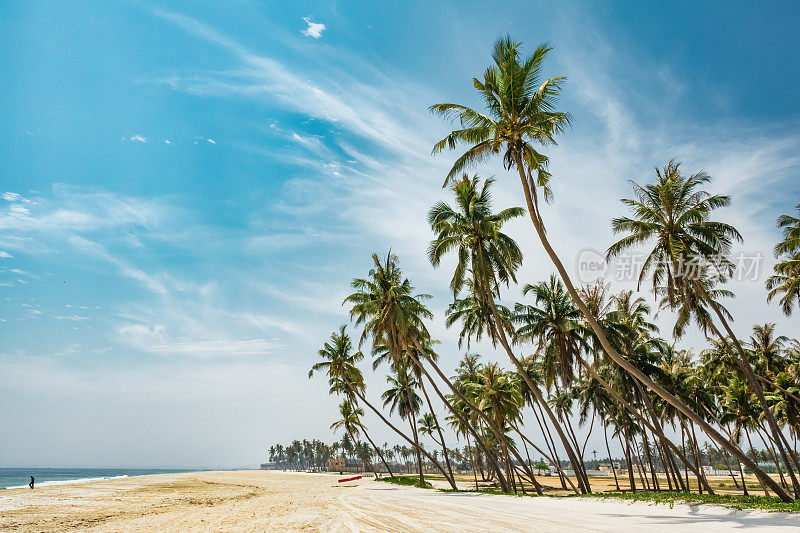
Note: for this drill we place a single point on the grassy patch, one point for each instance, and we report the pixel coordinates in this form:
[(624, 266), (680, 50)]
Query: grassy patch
[(408, 481), (761, 503)]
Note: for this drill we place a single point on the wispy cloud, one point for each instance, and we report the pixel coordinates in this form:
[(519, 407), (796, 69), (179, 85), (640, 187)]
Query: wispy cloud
[(137, 138), (11, 196), (314, 29)]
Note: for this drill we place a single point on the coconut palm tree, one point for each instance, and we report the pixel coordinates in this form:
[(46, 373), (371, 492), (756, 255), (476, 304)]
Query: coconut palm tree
[(554, 326), (674, 216), (383, 354), (393, 316), (339, 363), (767, 349), (520, 114), (490, 257), (351, 422), (344, 377), (402, 397), (475, 315), (786, 279)]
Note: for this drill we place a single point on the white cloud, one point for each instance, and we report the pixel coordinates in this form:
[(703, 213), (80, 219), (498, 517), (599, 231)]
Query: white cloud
[(11, 196), (167, 141), (137, 138), (157, 340), (314, 29), (5, 255)]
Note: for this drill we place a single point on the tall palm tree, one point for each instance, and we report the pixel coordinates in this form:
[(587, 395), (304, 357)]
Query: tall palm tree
[(490, 257), (786, 279), (401, 397), (767, 348), (393, 316), (674, 214), (497, 394), (383, 354), (554, 325), (339, 363), (520, 113), (351, 422)]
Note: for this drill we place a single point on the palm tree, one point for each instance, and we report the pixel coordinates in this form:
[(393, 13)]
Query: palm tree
[(475, 315), (402, 397), (767, 348), (339, 363), (674, 213), (496, 393), (786, 279), (490, 257), (351, 422), (554, 326), (393, 316), (383, 354), (520, 113)]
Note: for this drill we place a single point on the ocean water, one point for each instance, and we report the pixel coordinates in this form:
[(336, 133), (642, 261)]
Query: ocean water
[(20, 477)]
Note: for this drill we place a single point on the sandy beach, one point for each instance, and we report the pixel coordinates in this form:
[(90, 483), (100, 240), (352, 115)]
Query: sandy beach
[(283, 501)]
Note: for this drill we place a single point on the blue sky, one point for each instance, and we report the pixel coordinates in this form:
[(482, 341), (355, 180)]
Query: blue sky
[(187, 190)]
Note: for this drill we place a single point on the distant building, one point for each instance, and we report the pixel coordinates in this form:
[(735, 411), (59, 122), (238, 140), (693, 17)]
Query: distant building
[(340, 464)]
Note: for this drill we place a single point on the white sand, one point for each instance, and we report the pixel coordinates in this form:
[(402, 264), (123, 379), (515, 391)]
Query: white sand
[(278, 501)]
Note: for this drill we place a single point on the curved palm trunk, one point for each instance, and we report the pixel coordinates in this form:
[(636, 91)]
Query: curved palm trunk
[(438, 428), (549, 458), (747, 369), (624, 363), (654, 428), (610, 460), (486, 419), (394, 428), (753, 451), (536, 392), (550, 444), (626, 449), (490, 457), (571, 435), (771, 449), (378, 450), (473, 461), (417, 446)]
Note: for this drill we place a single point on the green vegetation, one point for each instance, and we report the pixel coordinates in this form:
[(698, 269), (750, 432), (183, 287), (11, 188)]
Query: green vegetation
[(407, 481), (761, 503)]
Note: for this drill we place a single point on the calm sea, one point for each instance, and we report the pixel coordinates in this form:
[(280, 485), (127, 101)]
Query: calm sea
[(20, 477)]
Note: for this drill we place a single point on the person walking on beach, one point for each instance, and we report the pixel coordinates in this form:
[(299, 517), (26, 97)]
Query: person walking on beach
[(31, 483)]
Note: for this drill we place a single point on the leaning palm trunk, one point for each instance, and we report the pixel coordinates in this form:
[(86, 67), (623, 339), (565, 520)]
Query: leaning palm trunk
[(537, 393), (549, 458), (378, 451), (548, 439), (438, 428), (499, 435), (621, 361), (635, 412), (418, 447), (744, 364), (472, 460), (490, 458), (610, 460), (394, 428)]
